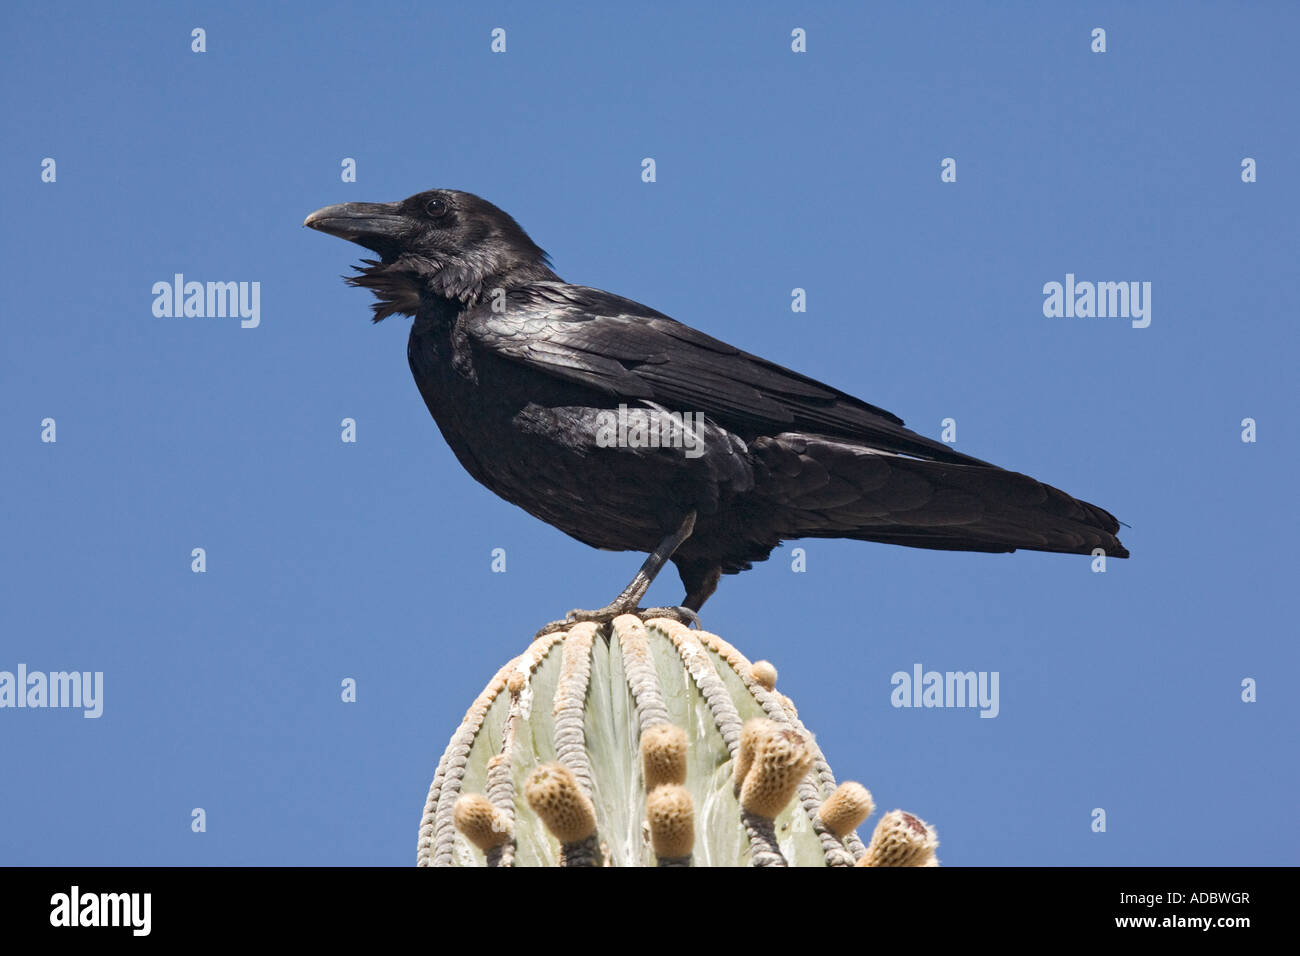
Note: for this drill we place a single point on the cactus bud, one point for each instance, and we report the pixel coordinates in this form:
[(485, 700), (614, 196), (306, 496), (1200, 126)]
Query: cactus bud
[(901, 840), (764, 673), (671, 815), (781, 758), (663, 755), (553, 793), (483, 824), (847, 807)]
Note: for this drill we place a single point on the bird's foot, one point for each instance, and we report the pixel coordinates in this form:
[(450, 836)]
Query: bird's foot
[(682, 615), (605, 615)]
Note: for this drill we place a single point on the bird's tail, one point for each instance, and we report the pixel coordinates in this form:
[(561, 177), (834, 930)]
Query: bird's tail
[(828, 488)]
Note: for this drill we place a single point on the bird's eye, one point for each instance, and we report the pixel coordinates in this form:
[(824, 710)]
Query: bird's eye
[(436, 208)]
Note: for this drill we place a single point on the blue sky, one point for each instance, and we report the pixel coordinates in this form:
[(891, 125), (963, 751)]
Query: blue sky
[(775, 170)]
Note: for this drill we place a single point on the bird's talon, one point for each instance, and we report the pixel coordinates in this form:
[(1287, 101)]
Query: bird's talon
[(552, 628), (682, 615)]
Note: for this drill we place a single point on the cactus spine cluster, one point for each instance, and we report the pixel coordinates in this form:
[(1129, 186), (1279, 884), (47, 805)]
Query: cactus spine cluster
[(647, 744)]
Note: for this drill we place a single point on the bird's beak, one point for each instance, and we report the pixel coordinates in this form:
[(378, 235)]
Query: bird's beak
[(370, 224)]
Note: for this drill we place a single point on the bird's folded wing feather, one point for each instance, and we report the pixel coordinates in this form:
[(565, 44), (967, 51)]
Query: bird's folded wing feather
[(630, 352)]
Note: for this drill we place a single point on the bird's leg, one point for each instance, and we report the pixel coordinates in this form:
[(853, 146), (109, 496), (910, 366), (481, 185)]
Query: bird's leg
[(627, 601), (701, 589)]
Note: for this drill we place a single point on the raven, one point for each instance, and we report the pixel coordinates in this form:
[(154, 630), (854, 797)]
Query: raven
[(630, 431)]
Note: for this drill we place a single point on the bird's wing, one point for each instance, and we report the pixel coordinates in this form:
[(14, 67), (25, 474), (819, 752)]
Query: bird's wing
[(632, 352)]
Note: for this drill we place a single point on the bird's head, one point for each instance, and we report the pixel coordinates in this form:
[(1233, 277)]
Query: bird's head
[(441, 243)]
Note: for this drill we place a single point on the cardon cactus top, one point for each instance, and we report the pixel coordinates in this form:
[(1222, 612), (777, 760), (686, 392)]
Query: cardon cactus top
[(642, 745)]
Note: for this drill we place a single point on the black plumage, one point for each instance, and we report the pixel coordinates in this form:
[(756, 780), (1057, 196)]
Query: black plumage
[(521, 371)]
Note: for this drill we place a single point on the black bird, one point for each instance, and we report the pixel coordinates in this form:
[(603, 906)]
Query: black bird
[(718, 455)]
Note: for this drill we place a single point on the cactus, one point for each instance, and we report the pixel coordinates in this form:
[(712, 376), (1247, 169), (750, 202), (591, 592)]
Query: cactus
[(643, 744)]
